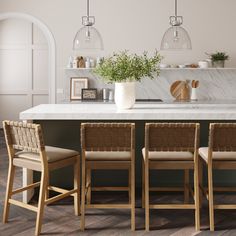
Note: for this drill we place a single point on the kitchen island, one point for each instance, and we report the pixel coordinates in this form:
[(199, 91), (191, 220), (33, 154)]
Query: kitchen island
[(61, 126)]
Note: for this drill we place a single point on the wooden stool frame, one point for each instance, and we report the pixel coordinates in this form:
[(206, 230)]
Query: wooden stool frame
[(171, 137), (222, 138), (28, 137), (108, 137)]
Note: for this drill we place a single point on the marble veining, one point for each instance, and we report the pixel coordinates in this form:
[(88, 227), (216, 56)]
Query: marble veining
[(214, 83)]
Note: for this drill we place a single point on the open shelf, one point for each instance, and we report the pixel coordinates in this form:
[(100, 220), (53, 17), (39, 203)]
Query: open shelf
[(162, 69)]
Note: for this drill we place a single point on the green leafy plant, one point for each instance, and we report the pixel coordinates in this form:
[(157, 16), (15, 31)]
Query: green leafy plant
[(218, 56), (124, 67)]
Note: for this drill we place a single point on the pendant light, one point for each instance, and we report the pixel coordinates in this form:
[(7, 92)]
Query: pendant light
[(176, 37), (88, 36)]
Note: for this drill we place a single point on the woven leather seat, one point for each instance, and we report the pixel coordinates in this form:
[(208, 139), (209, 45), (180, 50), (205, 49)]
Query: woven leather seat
[(52, 153), (218, 156), (169, 156), (108, 156)]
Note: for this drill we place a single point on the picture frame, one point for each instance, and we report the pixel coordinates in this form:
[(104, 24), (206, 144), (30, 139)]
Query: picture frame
[(76, 86), (89, 94)]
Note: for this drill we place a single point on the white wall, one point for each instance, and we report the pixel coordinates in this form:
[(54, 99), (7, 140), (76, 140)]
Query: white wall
[(136, 25), (23, 67)]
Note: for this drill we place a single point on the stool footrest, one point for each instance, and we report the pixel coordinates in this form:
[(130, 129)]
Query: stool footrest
[(24, 205), (19, 190), (60, 196), (225, 206), (110, 188), (172, 206), (58, 190), (108, 206)]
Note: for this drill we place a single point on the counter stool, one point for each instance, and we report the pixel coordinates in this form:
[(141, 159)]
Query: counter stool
[(107, 146), (220, 154), (172, 146), (26, 149)]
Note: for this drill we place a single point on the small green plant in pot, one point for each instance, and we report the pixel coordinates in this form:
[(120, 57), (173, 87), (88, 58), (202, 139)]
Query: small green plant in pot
[(218, 59), (124, 69)]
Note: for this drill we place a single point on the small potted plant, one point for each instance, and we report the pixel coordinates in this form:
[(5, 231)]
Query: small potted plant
[(124, 70), (218, 59)]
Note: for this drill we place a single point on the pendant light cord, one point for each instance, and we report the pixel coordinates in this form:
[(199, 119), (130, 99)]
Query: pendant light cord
[(88, 9), (176, 8)]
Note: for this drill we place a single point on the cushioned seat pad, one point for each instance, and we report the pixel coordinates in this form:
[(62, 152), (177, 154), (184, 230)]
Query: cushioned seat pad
[(169, 156), (220, 156), (53, 154), (108, 156)]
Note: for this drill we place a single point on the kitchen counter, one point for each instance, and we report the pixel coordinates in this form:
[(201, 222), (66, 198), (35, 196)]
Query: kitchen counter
[(61, 126), (166, 110)]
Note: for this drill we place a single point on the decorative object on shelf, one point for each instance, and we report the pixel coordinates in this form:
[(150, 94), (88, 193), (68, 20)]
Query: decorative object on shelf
[(92, 63), (176, 37), (218, 59), (87, 62), (81, 62), (203, 64), (88, 36), (70, 62), (89, 94), (75, 63), (99, 60), (105, 94), (163, 66), (180, 90), (111, 95), (76, 86), (195, 85), (124, 69)]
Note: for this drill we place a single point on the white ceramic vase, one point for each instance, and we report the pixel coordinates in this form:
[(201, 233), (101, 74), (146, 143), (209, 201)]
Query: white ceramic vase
[(125, 95), (194, 94)]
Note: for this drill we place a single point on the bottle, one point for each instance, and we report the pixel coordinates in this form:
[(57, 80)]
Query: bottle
[(87, 63), (70, 62), (92, 62), (75, 63)]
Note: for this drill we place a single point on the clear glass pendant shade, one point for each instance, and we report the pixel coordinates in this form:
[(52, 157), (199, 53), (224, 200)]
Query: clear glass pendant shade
[(176, 38), (88, 37)]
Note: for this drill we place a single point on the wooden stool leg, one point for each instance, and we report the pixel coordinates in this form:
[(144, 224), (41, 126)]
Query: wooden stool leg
[(130, 184), (143, 185), (88, 184), (47, 190), (41, 202), (196, 195), (10, 180), (200, 182), (211, 203), (82, 221), (146, 195), (186, 186), (77, 186), (132, 196)]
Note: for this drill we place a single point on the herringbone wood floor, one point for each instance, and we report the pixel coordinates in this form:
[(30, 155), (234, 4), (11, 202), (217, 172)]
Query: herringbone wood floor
[(59, 219)]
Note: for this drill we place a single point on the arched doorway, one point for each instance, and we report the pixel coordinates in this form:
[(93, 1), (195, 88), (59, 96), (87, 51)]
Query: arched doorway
[(51, 47)]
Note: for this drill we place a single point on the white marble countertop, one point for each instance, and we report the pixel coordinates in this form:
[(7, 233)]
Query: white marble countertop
[(167, 110)]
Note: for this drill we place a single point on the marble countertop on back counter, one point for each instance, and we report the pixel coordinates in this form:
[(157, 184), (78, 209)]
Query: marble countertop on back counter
[(166, 110)]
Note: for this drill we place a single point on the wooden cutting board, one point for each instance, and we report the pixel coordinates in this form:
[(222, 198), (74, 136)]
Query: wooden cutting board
[(176, 88)]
